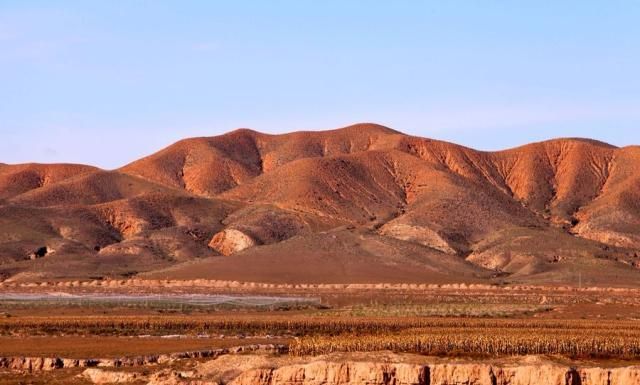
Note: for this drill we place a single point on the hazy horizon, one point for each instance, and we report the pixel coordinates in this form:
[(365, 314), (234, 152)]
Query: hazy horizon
[(107, 83)]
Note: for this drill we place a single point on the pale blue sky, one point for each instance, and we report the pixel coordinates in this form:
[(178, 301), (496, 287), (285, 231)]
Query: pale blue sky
[(105, 82)]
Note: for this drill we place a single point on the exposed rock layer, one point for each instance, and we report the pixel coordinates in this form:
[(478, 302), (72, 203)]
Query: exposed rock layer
[(255, 370), (364, 373)]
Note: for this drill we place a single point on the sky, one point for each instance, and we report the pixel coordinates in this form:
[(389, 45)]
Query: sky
[(106, 82)]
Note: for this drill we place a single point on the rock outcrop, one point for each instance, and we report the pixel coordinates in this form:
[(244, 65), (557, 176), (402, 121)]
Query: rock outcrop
[(31, 364), (99, 376), (256, 370), (40, 252), (365, 373), (322, 372), (231, 241), (419, 234)]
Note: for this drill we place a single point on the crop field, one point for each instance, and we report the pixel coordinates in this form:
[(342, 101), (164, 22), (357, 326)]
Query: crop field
[(313, 335), (297, 325), (440, 310), (572, 340), (445, 324)]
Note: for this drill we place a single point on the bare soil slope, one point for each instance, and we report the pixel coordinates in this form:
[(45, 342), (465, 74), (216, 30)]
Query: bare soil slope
[(362, 203)]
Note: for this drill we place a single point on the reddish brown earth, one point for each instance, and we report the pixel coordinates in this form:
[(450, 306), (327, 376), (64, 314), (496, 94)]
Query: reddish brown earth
[(363, 203)]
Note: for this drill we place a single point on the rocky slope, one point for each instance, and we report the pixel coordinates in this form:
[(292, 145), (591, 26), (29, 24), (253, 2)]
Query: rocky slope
[(363, 203)]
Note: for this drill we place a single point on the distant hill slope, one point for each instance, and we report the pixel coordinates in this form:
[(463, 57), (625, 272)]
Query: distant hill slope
[(356, 204)]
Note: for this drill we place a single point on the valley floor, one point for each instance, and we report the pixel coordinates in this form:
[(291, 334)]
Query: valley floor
[(115, 332)]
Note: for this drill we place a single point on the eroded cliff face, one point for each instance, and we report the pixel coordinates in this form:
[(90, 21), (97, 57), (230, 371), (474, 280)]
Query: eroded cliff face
[(364, 373), (321, 372), (271, 368)]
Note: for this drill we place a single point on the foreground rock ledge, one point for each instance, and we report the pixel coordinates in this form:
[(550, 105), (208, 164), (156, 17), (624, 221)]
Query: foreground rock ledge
[(362, 373), (523, 371)]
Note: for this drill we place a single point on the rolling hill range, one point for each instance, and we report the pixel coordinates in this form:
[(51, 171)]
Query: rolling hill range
[(360, 204)]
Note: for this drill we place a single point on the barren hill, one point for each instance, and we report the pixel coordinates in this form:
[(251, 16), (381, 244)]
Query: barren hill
[(362, 203)]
